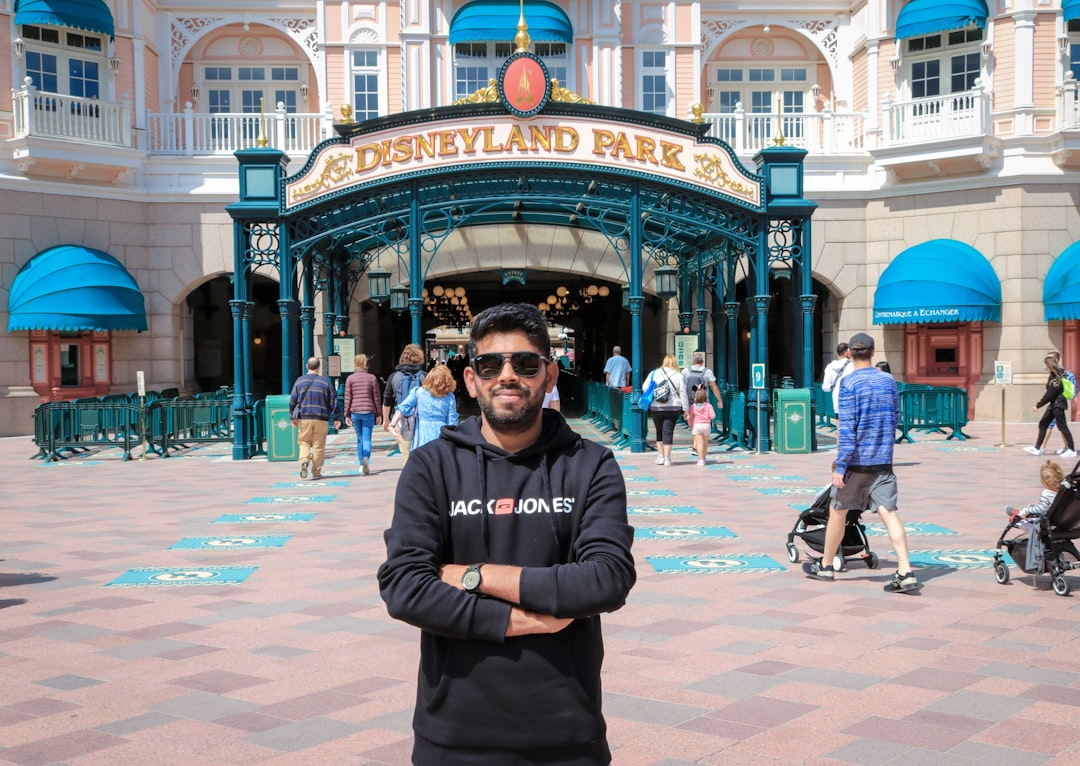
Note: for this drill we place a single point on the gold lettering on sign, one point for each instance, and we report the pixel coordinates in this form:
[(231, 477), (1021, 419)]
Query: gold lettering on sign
[(711, 170), (445, 145), (336, 170)]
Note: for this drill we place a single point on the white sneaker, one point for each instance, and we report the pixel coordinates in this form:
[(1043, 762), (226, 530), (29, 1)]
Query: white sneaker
[(659, 459), (701, 462), (667, 461), (1062, 451), (1069, 453), (1033, 450)]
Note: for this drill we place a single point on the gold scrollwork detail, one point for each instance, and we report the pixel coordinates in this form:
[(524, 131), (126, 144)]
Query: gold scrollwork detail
[(711, 170), (488, 94), (565, 95), (337, 169)]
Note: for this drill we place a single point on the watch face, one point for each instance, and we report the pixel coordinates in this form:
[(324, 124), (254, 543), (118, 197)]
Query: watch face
[(470, 580)]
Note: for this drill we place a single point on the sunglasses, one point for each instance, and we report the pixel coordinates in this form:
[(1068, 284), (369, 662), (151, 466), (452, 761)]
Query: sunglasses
[(526, 364)]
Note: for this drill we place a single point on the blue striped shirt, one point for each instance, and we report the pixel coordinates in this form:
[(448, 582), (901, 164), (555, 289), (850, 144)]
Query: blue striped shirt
[(869, 408), (313, 398)]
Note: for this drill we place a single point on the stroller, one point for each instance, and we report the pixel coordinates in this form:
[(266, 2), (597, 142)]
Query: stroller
[(810, 526), (1043, 542)]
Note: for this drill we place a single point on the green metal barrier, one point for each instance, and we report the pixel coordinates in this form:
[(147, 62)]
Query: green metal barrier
[(737, 433), (77, 426), (178, 423), (932, 409)]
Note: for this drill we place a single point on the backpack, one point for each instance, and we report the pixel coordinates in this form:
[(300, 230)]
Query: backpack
[(662, 392), (404, 385), (695, 379), (1068, 385)]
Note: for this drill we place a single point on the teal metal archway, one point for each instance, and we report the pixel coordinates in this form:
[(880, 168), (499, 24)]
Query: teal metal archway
[(659, 191)]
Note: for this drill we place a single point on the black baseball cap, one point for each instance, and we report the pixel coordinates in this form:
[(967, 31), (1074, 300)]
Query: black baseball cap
[(860, 341)]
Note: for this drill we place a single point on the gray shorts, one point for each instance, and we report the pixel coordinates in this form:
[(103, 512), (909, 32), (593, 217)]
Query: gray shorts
[(867, 492)]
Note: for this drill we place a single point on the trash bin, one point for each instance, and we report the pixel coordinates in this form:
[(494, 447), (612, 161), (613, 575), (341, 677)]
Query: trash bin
[(281, 444), (793, 420)]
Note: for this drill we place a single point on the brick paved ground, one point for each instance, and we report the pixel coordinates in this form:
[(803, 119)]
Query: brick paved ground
[(299, 664)]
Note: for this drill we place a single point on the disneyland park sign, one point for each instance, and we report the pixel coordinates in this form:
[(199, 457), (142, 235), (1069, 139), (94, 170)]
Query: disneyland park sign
[(523, 136)]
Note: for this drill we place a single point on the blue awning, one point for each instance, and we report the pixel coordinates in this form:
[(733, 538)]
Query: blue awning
[(88, 15), (485, 21), (924, 17), (1070, 9), (938, 281), (71, 288), (1061, 288)]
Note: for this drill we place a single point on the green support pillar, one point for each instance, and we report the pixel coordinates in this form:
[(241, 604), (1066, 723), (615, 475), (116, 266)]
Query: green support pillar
[(636, 300), (260, 174), (782, 168)]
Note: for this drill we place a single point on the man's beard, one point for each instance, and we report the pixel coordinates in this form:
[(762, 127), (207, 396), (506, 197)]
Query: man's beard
[(511, 422)]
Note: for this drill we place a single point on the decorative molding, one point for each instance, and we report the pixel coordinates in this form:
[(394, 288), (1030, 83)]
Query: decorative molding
[(184, 32), (304, 31), (822, 31), (364, 36)]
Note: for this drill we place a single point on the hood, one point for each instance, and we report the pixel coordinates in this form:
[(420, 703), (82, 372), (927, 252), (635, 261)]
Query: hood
[(555, 435), (408, 368)]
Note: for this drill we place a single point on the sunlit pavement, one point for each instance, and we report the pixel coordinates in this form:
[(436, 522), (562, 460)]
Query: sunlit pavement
[(200, 611)]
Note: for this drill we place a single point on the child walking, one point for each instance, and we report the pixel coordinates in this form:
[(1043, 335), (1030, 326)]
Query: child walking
[(1050, 476), (700, 415)]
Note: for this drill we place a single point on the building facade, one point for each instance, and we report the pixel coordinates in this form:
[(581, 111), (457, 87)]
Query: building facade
[(942, 144)]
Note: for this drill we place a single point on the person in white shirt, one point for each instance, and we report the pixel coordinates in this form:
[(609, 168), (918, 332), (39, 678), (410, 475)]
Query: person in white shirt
[(551, 399), (834, 373)]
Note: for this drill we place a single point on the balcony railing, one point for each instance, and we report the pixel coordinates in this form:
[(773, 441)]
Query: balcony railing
[(817, 132), (957, 115), (1068, 104), (39, 114), (197, 133)]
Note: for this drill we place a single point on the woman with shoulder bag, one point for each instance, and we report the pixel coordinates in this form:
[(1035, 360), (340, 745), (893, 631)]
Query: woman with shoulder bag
[(668, 405), (1056, 411), (362, 408)]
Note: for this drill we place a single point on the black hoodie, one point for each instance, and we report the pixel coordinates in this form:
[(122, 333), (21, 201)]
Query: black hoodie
[(558, 509)]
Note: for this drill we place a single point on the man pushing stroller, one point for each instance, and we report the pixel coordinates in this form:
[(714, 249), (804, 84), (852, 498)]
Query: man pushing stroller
[(864, 478)]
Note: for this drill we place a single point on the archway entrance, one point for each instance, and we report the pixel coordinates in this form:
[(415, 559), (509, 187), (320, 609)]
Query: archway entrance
[(212, 335), (678, 213)]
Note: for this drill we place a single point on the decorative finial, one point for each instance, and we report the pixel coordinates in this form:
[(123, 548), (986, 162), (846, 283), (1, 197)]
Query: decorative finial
[(778, 137), (262, 141), (522, 39), (697, 110), (346, 114)]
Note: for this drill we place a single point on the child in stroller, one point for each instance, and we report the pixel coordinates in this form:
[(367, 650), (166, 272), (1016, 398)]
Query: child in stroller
[(1043, 542), (810, 527)]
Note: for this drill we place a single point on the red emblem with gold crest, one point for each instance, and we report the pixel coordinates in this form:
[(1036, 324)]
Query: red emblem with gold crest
[(524, 85)]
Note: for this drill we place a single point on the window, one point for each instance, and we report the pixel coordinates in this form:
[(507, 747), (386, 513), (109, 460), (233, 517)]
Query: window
[(69, 360), (950, 59), (246, 86), (475, 64), (365, 84), (654, 82), (1073, 28), (67, 63), (555, 58)]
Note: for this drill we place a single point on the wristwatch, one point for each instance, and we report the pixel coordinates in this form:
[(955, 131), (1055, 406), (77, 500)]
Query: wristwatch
[(470, 581)]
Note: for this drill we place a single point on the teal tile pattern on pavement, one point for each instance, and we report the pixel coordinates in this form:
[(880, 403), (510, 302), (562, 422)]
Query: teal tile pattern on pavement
[(149, 577)]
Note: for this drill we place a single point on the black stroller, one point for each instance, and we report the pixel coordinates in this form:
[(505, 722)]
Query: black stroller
[(1044, 543), (810, 526)]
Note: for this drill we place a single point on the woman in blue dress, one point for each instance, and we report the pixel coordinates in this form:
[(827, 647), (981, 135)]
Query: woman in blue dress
[(434, 405)]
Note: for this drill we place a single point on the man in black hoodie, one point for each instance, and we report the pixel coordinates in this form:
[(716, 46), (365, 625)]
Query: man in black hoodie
[(508, 541)]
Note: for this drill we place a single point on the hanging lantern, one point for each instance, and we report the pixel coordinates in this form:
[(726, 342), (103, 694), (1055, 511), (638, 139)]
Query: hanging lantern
[(399, 298), (378, 284), (667, 282)]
